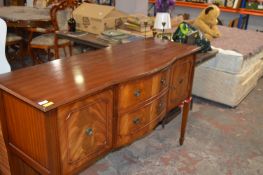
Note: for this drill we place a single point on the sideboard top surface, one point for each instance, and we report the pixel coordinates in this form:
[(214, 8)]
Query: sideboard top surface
[(64, 80)]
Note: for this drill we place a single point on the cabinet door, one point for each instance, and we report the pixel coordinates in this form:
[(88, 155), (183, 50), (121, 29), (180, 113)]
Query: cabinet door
[(181, 81), (85, 130)]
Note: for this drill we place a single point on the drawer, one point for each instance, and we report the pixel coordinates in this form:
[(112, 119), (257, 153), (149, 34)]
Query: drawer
[(137, 91), (135, 124), (85, 130)]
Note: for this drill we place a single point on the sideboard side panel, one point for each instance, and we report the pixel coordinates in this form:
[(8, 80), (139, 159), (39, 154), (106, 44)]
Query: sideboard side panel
[(19, 167), (26, 132), (4, 165)]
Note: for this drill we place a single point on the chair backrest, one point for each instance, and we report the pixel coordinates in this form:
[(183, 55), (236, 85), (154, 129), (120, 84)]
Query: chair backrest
[(43, 3), (4, 65), (60, 13)]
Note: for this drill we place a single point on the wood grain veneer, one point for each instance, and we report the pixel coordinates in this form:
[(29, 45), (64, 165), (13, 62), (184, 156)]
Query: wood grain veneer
[(180, 86), (65, 80), (102, 100), (4, 165), (26, 131), (134, 92), (85, 130)]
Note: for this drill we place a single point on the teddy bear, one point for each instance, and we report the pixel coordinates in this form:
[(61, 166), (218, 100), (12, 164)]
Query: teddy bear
[(207, 22)]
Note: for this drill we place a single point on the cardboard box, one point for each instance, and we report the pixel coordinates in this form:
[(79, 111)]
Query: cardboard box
[(95, 18)]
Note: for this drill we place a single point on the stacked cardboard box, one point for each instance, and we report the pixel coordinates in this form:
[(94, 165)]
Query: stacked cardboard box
[(95, 18), (140, 23)]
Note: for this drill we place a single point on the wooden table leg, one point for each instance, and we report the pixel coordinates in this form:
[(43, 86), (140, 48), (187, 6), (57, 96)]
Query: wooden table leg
[(186, 107)]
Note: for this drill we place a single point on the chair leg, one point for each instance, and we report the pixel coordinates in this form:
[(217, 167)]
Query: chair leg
[(56, 53), (21, 53), (65, 53), (33, 56), (48, 54), (70, 49)]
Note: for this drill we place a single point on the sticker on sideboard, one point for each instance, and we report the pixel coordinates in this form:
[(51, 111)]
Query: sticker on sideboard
[(45, 103)]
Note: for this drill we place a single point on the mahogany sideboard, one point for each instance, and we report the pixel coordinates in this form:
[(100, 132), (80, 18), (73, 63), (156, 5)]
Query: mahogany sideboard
[(59, 117)]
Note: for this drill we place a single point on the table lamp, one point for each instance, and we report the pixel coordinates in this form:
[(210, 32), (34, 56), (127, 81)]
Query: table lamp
[(162, 22)]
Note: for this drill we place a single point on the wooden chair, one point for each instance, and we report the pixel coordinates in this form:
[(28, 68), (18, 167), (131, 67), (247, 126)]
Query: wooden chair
[(4, 65), (43, 3), (59, 13), (14, 48)]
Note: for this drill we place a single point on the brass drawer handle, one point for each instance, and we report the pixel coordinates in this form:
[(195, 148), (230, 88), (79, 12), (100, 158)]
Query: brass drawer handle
[(136, 121), (89, 131), (163, 82), (137, 93)]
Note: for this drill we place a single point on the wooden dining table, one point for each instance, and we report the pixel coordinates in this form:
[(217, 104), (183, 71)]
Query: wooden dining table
[(20, 19), (24, 16)]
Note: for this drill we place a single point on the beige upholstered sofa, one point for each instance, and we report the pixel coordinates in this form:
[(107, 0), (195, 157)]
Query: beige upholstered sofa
[(234, 72)]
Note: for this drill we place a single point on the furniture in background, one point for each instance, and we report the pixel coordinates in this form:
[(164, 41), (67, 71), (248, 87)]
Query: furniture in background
[(21, 19), (84, 38), (14, 2), (41, 3), (237, 67), (59, 14), (25, 17), (14, 47), (103, 100), (89, 41)]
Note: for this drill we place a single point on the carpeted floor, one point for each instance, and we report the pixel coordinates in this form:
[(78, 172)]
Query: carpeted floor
[(219, 141)]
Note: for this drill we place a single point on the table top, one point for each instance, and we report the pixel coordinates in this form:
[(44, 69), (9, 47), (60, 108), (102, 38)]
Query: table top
[(64, 80), (84, 38), (96, 41), (23, 16)]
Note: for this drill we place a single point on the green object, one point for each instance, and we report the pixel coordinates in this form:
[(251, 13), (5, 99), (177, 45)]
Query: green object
[(184, 28), (188, 34)]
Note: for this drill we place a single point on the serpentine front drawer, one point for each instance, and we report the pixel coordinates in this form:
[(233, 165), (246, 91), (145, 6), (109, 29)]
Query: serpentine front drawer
[(135, 124), (135, 92)]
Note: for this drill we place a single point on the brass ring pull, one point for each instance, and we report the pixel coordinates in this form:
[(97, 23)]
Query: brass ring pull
[(89, 131), (137, 93), (136, 121)]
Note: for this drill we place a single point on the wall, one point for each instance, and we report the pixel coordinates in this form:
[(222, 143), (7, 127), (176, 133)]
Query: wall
[(132, 6), (255, 22), (1, 2)]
